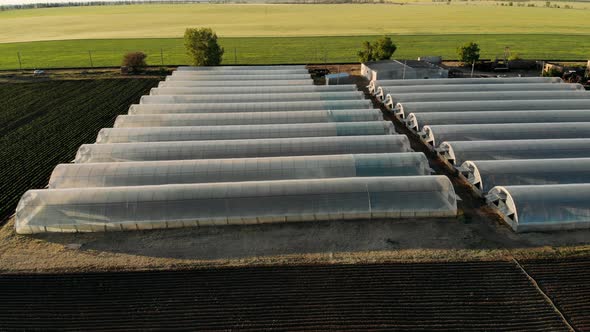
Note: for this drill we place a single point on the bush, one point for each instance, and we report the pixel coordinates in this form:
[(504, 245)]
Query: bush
[(552, 72), (514, 57), (134, 61), (468, 53), (382, 49), (202, 47)]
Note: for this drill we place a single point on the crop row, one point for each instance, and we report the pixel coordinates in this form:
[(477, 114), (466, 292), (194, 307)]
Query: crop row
[(492, 296), (42, 124)]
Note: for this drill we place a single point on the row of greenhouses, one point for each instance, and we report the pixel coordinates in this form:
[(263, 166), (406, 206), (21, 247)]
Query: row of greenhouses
[(239, 145), (523, 144)]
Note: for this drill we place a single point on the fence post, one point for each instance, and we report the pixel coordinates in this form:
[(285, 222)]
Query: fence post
[(235, 56), (90, 57), (20, 64), (472, 67), (162, 56), (404, 72)]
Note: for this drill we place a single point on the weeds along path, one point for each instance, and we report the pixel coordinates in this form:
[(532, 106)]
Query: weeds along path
[(42, 124)]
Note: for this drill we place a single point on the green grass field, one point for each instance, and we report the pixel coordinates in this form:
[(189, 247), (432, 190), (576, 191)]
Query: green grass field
[(260, 33), (74, 53), (258, 20)]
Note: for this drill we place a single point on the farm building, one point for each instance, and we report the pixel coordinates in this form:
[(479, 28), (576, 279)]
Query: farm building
[(406, 69)]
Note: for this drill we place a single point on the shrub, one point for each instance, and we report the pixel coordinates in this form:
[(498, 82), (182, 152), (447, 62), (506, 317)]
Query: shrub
[(134, 61), (514, 57), (202, 47), (468, 53), (382, 49), (552, 72)]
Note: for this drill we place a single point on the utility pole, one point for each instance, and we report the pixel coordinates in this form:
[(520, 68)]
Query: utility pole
[(20, 64)]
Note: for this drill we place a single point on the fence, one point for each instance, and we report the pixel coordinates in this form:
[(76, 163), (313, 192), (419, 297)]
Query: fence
[(280, 50), (172, 56)]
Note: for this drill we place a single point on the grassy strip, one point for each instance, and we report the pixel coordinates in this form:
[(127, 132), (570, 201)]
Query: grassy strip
[(282, 50)]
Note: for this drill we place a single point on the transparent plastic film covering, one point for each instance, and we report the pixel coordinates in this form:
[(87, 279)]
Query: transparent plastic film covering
[(457, 152), (164, 91), (267, 97), (383, 91), (392, 99), (543, 207), (169, 206), (416, 121), (238, 68), (237, 77), (434, 135), (237, 170), (463, 81), (247, 118), (403, 109), (197, 73), (486, 174), (273, 147), (206, 133), (279, 106), (240, 83)]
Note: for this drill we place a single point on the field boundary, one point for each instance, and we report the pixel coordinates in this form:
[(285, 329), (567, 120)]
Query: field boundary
[(545, 296)]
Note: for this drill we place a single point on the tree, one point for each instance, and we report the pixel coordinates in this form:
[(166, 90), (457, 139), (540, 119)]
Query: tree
[(382, 49), (366, 53), (202, 47), (468, 53), (134, 61)]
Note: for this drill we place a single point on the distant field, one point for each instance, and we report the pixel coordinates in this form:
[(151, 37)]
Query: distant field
[(43, 124), (260, 33), (258, 20), (74, 53)]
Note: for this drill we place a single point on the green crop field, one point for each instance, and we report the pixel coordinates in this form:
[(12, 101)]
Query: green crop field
[(43, 124), (262, 33)]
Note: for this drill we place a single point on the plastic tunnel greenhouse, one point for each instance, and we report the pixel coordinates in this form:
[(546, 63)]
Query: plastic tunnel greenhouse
[(234, 77), (486, 174), (151, 207), (237, 68), (404, 109), (249, 107), (274, 147), (241, 83), (197, 73), (543, 207), (163, 91), (237, 170), (235, 98), (392, 99), (416, 121), (249, 118), (205, 133), (458, 152), (434, 135), (383, 91), (440, 81), (236, 145)]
